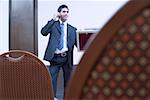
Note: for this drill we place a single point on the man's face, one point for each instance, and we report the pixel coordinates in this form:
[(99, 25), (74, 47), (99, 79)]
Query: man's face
[(64, 14)]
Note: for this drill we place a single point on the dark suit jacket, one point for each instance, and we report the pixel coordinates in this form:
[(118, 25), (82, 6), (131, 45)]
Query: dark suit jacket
[(53, 28)]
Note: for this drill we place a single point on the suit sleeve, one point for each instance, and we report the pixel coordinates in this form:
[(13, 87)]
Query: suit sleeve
[(47, 28)]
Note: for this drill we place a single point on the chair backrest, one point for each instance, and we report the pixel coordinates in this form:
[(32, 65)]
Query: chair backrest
[(117, 63), (24, 77)]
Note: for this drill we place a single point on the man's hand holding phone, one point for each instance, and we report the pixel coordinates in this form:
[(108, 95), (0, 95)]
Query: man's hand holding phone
[(56, 16)]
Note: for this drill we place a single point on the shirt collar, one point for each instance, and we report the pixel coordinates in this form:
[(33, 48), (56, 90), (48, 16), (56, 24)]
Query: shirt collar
[(65, 23)]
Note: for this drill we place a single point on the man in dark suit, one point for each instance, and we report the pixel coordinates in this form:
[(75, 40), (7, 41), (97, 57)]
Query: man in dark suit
[(59, 51)]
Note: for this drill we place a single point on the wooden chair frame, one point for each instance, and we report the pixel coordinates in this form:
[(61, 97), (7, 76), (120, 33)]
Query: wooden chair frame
[(23, 53), (94, 51)]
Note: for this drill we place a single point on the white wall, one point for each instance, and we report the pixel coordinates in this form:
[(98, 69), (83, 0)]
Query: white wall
[(4, 41), (82, 14)]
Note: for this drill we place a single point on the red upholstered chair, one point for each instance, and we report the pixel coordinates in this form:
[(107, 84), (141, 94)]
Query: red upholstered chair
[(116, 65), (24, 77)]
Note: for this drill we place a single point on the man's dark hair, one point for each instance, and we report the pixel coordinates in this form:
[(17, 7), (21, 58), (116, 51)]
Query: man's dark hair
[(61, 7)]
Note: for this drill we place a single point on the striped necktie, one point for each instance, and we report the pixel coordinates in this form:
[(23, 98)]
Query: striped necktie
[(61, 37)]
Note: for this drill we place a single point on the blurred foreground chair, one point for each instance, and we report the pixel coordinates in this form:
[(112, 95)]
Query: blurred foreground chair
[(24, 77), (116, 65)]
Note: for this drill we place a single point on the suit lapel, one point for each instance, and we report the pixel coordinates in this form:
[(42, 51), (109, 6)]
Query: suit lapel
[(58, 26), (68, 32)]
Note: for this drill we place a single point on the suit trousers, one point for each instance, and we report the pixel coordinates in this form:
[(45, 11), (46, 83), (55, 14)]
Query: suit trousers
[(56, 63)]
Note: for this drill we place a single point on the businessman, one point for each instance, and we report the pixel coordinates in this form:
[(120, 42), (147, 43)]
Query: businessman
[(59, 51)]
